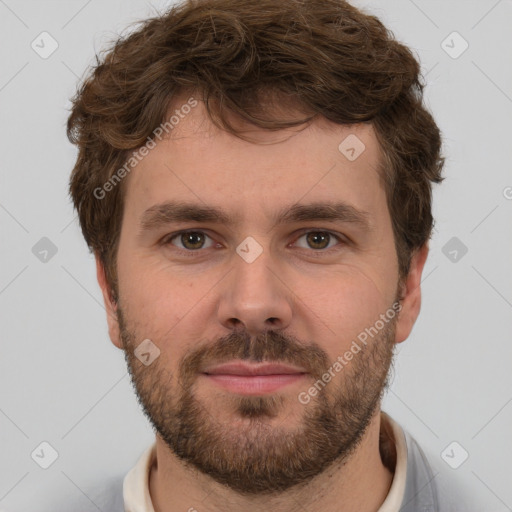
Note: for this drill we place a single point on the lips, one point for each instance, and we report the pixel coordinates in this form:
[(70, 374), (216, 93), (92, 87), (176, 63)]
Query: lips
[(247, 369), (253, 379)]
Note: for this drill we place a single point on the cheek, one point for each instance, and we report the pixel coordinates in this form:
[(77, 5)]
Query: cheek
[(162, 303), (347, 301), (150, 302)]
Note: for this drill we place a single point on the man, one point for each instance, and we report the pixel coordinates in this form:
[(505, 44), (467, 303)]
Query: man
[(254, 179)]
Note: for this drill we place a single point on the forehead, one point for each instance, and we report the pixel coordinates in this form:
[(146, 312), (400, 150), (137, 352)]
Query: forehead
[(309, 163)]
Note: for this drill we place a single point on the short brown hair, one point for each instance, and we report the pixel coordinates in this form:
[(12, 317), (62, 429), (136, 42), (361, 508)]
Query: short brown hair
[(326, 56)]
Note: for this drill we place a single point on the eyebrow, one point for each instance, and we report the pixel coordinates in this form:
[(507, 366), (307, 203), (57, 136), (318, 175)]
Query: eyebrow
[(168, 212)]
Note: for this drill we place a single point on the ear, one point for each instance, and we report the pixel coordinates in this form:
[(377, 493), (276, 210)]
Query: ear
[(411, 295), (110, 304)]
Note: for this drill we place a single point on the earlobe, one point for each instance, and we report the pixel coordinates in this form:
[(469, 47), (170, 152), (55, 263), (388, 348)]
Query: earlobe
[(110, 304), (411, 295)]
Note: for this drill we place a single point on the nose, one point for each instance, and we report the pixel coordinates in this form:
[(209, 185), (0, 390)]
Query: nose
[(254, 296)]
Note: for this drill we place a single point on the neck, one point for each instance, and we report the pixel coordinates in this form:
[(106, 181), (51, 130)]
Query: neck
[(361, 484)]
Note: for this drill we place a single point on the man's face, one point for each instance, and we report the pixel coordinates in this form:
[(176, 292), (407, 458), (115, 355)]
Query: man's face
[(271, 279)]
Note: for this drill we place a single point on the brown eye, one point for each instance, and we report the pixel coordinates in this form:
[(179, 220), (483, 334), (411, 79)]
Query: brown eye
[(191, 240), (318, 240)]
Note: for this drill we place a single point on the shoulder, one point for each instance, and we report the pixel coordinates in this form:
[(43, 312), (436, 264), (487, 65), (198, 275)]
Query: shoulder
[(427, 489)]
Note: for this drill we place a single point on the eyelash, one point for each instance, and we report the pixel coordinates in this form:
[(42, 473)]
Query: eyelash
[(195, 252)]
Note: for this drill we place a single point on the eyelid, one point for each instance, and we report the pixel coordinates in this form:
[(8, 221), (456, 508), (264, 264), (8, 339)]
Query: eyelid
[(167, 240), (338, 236), (342, 239)]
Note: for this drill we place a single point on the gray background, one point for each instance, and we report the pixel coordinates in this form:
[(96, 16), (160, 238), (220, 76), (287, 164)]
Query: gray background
[(63, 382)]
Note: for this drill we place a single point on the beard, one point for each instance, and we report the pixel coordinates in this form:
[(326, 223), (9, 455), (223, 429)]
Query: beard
[(250, 447)]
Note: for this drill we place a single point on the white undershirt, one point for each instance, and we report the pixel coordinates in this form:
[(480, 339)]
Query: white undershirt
[(136, 482)]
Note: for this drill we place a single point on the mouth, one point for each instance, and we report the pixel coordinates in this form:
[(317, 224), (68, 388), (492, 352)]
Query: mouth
[(253, 379)]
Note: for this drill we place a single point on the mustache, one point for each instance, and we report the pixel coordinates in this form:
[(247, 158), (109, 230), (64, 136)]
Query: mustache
[(272, 346), (269, 346)]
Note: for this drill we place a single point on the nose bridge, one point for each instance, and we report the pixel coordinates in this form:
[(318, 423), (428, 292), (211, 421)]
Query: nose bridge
[(253, 294)]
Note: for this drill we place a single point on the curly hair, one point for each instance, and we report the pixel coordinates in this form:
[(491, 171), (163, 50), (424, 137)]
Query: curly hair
[(325, 56)]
